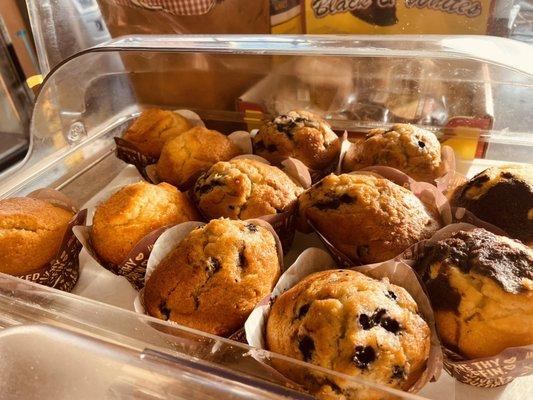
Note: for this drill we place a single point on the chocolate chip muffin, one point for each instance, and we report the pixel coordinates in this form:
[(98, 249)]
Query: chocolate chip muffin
[(153, 128), (186, 156), (502, 196), (481, 289), (301, 135), (31, 232), (215, 277), (351, 323), (244, 188), (133, 212), (368, 218), (412, 150)]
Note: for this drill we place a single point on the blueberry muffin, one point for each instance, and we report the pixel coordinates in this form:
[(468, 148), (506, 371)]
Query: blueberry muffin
[(301, 135), (31, 232), (481, 289), (351, 323), (368, 218), (244, 188), (185, 157), (215, 277), (153, 128), (133, 212), (502, 196), (412, 150)]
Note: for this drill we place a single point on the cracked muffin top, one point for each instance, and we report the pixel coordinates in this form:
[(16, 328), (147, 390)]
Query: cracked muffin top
[(351, 323), (185, 157), (214, 277), (298, 134), (31, 232), (481, 288), (412, 150), (502, 196), (133, 212), (153, 128), (367, 217), (244, 188)]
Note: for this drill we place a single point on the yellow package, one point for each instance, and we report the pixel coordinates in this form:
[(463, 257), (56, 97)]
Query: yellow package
[(397, 16)]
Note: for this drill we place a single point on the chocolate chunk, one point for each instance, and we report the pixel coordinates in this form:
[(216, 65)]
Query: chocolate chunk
[(272, 148), (443, 295), (363, 356), (329, 204), (421, 144), (307, 347), (345, 198), (251, 227), (366, 322), (303, 310), (398, 372), (391, 295), (243, 263), (390, 324)]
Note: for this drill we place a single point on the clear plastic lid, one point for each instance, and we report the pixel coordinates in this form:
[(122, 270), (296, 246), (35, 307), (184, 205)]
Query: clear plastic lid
[(474, 91)]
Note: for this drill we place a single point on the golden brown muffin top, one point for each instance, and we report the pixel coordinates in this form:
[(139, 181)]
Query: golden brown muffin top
[(134, 211), (153, 128), (244, 188), (194, 151), (415, 151), (299, 134), (214, 277), (351, 323), (31, 232)]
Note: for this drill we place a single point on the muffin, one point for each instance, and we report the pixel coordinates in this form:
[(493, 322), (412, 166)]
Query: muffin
[(186, 156), (153, 128), (481, 289), (298, 134), (502, 196), (31, 232), (351, 323), (215, 277), (405, 147), (133, 212), (244, 188), (368, 218)]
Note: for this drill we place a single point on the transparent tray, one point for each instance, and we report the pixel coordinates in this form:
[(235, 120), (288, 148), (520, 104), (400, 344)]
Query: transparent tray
[(91, 97)]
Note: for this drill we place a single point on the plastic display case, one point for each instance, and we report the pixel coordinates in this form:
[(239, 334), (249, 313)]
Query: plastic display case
[(60, 345)]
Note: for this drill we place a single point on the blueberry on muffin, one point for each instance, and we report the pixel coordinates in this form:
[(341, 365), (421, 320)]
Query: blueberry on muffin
[(368, 218), (244, 188), (412, 150), (298, 134), (133, 212), (185, 157), (153, 128), (214, 277), (502, 196), (481, 289), (351, 323)]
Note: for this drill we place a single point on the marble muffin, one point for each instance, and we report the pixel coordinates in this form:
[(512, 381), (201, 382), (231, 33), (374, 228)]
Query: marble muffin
[(412, 150), (215, 276), (481, 289), (153, 128), (502, 196), (367, 217), (244, 188), (351, 323), (298, 134)]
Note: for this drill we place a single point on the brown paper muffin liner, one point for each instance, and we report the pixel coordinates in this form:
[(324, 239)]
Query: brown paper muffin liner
[(168, 241), (428, 194), (62, 271), (313, 260), (284, 223), (486, 372)]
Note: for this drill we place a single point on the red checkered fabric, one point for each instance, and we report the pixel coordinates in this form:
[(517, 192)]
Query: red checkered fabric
[(176, 7)]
